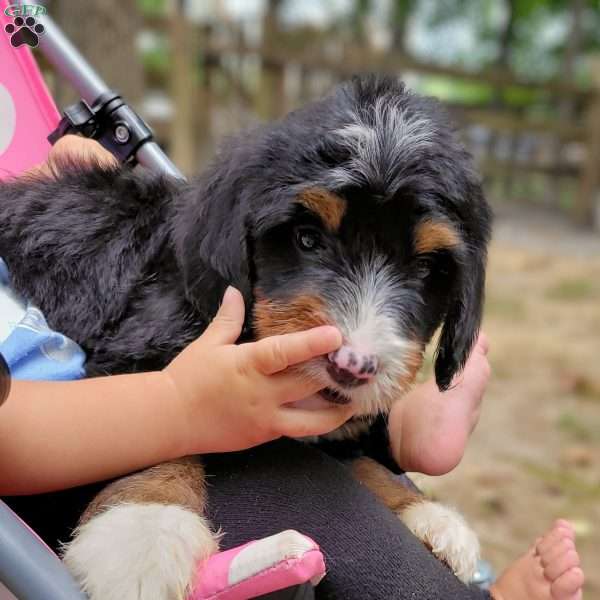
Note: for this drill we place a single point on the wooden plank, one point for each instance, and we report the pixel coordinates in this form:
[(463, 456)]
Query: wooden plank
[(183, 91), (500, 168), (394, 62), (504, 121), (589, 189)]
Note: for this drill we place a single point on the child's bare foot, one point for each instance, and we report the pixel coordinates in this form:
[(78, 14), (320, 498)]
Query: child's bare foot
[(429, 429), (549, 571)]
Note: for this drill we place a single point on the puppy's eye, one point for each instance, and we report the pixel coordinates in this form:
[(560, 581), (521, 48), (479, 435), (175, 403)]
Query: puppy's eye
[(424, 266), (438, 265), (308, 239)]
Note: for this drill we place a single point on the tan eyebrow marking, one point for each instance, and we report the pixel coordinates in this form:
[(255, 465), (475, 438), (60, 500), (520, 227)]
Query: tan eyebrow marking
[(434, 235), (328, 206)]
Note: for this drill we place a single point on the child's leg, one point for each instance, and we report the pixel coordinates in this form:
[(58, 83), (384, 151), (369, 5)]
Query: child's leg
[(368, 551), (429, 429)]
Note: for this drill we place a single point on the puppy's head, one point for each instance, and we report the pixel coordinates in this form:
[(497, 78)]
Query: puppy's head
[(362, 211)]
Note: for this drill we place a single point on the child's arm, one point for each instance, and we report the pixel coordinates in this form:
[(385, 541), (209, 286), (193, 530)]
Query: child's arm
[(214, 397)]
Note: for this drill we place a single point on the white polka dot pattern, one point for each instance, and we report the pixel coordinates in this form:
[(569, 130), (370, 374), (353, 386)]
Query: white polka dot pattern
[(8, 118)]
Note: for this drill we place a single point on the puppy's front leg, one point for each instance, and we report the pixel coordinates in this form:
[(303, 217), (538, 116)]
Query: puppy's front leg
[(443, 530), (142, 537)]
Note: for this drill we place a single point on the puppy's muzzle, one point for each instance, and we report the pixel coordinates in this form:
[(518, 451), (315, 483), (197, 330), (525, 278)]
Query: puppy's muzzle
[(350, 367)]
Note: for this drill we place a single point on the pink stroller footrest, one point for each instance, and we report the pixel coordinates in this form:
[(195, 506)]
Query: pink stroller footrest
[(259, 567)]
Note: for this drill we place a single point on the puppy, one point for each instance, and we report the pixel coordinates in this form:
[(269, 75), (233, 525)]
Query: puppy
[(361, 210)]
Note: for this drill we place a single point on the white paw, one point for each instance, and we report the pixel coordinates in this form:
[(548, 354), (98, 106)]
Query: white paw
[(447, 533), (139, 552)]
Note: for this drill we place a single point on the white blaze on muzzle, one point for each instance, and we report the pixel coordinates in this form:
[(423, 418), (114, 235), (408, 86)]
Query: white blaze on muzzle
[(376, 357)]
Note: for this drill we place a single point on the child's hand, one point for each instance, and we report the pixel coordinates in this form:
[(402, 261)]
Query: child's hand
[(234, 397), (77, 148)]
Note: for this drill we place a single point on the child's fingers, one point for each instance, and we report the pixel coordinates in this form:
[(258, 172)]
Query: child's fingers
[(83, 149), (273, 354), (75, 148), (298, 422), (291, 386), (227, 325)]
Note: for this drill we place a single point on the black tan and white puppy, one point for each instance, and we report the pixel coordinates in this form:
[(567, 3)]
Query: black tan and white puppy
[(361, 210)]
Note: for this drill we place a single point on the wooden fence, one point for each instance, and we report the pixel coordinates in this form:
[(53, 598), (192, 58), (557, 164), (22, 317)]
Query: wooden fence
[(533, 153), (544, 150)]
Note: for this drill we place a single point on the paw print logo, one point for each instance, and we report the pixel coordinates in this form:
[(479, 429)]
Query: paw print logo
[(24, 31)]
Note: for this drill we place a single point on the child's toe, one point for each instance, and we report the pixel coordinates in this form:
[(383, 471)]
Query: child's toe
[(568, 586), (554, 537), (563, 523), (561, 565), (557, 552)]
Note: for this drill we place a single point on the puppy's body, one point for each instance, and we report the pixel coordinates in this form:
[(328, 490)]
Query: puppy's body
[(361, 210), (93, 250)]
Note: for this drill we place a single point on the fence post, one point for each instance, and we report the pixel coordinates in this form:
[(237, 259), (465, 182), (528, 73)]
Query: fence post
[(183, 84), (270, 102), (203, 111), (585, 203)]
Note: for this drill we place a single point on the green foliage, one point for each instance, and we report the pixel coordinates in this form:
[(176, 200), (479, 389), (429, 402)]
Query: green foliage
[(151, 7), (473, 93), (452, 90), (156, 60), (538, 36)]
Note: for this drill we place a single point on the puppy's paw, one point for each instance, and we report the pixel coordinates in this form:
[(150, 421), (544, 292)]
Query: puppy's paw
[(447, 534), (139, 552)]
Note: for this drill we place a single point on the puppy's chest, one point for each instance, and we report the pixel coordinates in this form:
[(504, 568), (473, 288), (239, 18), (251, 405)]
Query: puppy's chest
[(357, 438)]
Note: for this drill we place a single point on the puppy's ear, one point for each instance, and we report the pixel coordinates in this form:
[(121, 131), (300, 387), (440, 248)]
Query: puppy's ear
[(212, 236), (462, 322), (465, 307)]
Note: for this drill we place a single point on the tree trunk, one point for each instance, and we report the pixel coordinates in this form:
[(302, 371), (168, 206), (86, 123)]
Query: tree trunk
[(566, 106), (401, 10), (183, 88), (271, 90), (503, 62), (105, 33)]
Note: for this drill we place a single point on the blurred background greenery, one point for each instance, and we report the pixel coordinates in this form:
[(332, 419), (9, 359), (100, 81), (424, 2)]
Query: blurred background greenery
[(522, 79)]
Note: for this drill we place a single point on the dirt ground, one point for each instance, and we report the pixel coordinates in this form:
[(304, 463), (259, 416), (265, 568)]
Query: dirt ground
[(536, 453)]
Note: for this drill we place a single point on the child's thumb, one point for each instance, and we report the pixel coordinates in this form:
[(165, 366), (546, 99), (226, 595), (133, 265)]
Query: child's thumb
[(227, 325)]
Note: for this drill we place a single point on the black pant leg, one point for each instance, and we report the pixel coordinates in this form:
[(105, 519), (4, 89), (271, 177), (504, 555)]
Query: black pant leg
[(370, 555)]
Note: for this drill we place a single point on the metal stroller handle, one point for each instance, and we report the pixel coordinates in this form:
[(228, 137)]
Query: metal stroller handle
[(95, 94)]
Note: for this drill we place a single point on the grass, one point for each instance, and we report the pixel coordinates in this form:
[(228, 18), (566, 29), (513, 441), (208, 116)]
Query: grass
[(571, 290), (575, 428)]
